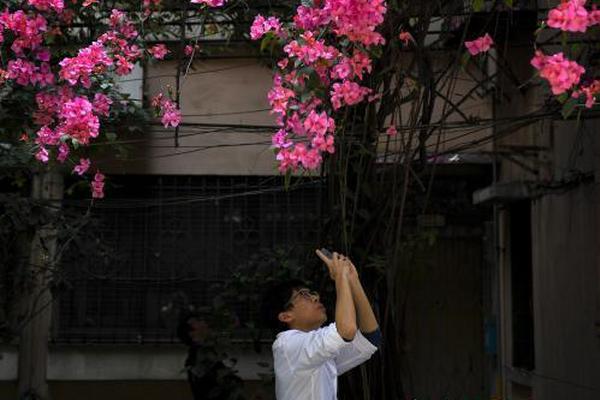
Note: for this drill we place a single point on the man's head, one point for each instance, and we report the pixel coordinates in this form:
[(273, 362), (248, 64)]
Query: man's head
[(192, 328), (292, 305)]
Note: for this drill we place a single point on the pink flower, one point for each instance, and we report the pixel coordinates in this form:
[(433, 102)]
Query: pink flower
[(405, 37), (347, 93), (171, 116), (98, 186), (189, 49), (82, 167), (324, 143), (47, 136), (210, 3), (479, 45), (391, 131), (124, 67), (318, 124), (46, 5), (590, 91), (560, 72), (42, 155), (158, 51), (262, 25), (78, 121), (101, 104), (63, 152), (280, 139), (569, 16)]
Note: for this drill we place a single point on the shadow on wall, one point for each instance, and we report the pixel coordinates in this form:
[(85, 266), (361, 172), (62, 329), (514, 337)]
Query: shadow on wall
[(126, 390)]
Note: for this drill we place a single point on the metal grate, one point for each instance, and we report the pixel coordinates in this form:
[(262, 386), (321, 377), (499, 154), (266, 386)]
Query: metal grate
[(169, 234)]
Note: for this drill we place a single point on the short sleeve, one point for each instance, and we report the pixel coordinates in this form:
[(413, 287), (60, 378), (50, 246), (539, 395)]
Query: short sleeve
[(309, 350), (354, 353)]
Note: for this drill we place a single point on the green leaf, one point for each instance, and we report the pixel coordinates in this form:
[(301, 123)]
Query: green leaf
[(465, 59), (509, 3), (569, 107), (478, 5)]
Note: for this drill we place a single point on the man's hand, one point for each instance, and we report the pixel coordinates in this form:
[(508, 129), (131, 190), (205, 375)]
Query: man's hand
[(338, 266), (365, 317)]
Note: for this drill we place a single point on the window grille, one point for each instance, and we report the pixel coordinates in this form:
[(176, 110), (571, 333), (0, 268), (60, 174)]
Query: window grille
[(170, 234)]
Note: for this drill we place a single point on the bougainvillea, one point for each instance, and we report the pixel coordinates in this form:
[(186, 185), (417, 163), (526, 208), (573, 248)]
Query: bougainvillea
[(565, 77), (327, 53), (74, 94)]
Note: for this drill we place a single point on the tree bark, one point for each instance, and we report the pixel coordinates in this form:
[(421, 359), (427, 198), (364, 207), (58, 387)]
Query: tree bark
[(47, 187)]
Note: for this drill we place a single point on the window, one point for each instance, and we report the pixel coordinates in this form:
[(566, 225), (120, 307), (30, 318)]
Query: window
[(521, 285), (169, 234)]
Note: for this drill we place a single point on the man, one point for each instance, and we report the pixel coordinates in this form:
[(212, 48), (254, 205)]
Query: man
[(208, 376), (308, 358)]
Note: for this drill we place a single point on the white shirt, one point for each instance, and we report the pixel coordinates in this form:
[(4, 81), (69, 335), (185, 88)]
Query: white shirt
[(307, 364)]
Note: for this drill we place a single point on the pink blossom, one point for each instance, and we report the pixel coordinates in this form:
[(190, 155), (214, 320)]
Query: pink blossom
[(405, 37), (309, 18), (391, 131), (189, 49), (46, 5), (589, 91), (158, 51), (280, 139), (318, 123), (570, 16), (47, 136), (22, 71), (124, 67), (82, 167), (78, 121), (560, 72), (90, 60), (101, 104), (210, 3), (480, 45), (357, 19), (63, 152), (279, 97), (42, 155), (324, 143), (342, 70), (98, 186), (347, 93), (262, 25), (171, 116)]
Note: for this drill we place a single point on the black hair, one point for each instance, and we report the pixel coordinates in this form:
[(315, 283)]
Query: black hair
[(184, 328), (274, 301)]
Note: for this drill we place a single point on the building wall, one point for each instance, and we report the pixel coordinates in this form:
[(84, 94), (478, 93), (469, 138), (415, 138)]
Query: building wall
[(565, 238), (566, 232), (124, 371)]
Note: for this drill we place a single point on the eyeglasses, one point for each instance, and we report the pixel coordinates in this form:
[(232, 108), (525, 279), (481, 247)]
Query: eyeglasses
[(304, 293)]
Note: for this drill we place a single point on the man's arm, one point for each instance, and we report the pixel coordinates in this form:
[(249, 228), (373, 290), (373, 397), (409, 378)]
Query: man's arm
[(345, 311), (367, 322)]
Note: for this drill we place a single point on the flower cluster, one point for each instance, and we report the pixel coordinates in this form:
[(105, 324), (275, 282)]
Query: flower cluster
[(73, 94), (572, 16), (480, 45), (326, 55), (167, 110), (561, 73)]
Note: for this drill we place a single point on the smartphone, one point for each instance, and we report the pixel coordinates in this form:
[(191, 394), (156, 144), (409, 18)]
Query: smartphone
[(327, 253)]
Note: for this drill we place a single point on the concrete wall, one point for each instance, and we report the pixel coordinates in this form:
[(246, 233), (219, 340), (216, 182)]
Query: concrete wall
[(230, 93), (224, 93), (124, 372), (565, 229)]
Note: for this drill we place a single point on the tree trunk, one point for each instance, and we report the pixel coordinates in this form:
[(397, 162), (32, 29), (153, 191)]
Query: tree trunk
[(33, 344)]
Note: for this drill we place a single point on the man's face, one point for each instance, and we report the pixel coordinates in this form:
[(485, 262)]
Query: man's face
[(304, 310), (198, 330)]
